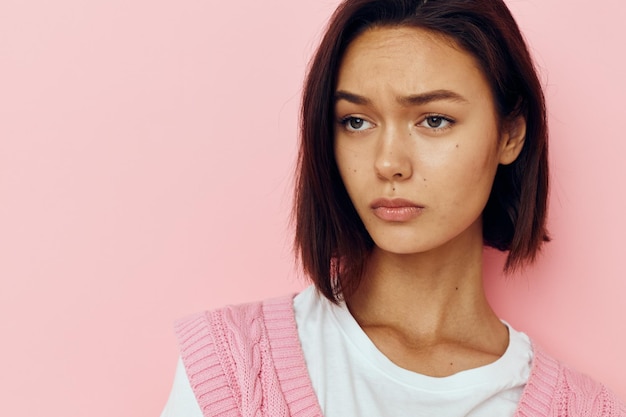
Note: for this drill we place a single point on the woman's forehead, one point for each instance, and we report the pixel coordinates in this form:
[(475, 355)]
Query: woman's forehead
[(406, 61)]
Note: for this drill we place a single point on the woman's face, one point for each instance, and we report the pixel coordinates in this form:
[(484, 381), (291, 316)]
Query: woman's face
[(417, 140)]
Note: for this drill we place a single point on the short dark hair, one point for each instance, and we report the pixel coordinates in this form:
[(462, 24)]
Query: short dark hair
[(330, 240)]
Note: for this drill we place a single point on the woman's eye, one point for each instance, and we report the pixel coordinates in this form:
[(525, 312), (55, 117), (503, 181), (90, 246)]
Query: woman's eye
[(436, 122), (356, 124)]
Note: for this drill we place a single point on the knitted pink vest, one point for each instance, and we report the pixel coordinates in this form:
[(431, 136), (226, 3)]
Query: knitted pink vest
[(246, 361)]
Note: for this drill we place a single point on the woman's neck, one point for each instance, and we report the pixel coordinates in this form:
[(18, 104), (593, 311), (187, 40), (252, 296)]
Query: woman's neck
[(432, 305)]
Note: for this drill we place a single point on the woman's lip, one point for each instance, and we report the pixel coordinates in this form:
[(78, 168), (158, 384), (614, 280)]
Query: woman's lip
[(393, 203), (395, 210)]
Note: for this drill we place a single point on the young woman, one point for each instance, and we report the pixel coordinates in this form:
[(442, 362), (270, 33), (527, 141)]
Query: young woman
[(423, 139)]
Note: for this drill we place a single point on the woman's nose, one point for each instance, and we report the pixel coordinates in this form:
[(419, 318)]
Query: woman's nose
[(393, 161)]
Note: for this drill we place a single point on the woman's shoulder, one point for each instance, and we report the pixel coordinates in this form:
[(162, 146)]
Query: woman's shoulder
[(562, 391), (237, 355), (248, 322)]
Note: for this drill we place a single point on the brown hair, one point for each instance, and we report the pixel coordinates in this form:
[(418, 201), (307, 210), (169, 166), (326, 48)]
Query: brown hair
[(331, 241)]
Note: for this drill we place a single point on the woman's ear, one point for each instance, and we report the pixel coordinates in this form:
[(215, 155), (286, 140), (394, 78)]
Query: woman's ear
[(512, 139)]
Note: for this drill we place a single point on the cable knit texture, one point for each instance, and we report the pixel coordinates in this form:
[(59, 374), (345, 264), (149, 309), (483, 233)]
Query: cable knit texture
[(246, 361)]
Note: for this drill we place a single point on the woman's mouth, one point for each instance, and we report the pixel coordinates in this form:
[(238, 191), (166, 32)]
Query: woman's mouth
[(396, 210)]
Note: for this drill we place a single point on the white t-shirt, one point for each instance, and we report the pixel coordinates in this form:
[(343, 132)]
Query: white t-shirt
[(351, 377)]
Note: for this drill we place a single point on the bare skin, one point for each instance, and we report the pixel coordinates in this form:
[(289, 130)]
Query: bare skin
[(437, 325), (416, 121)]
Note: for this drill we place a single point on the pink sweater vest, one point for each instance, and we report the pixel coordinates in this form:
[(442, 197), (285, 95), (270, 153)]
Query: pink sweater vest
[(245, 361)]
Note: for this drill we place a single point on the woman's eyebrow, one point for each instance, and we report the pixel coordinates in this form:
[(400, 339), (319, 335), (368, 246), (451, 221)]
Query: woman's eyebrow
[(410, 100), (430, 96), (351, 97)]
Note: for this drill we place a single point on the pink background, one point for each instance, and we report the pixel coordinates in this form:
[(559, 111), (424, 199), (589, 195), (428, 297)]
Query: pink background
[(146, 159)]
